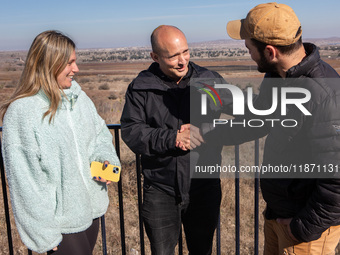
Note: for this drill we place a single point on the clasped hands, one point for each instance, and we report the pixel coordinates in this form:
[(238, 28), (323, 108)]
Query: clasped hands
[(188, 137)]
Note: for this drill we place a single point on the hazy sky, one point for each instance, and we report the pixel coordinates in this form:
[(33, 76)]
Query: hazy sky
[(110, 23)]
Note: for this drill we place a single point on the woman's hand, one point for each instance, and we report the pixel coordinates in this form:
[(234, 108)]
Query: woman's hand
[(98, 178)]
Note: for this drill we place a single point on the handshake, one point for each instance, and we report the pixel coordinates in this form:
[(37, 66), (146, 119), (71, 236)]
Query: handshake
[(188, 137)]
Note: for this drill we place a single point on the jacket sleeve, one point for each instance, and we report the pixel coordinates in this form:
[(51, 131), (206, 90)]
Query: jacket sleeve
[(321, 211), (323, 207), (104, 149), (33, 194), (139, 136)]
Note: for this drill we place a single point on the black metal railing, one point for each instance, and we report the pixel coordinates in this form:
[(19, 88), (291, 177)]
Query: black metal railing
[(5, 199), (116, 129)]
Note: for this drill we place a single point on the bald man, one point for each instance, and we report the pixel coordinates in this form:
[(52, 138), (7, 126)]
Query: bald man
[(157, 105)]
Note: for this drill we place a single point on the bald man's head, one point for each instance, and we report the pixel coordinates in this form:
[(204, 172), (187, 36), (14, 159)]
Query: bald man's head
[(159, 32), (170, 50)]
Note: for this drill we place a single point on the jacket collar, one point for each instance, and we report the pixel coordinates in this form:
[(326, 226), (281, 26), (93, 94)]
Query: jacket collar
[(312, 58), (147, 80), (71, 94), (307, 63)]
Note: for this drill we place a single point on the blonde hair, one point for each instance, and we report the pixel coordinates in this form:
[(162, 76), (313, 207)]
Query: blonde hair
[(46, 59)]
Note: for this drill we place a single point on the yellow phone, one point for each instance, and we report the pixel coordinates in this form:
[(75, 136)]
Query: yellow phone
[(110, 173)]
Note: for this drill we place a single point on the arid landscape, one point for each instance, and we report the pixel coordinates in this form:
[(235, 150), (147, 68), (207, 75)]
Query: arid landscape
[(104, 75)]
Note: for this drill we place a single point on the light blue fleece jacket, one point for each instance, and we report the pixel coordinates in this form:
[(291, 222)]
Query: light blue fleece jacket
[(48, 166)]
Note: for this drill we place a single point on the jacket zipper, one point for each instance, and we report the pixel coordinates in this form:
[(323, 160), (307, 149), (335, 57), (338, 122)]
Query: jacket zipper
[(80, 166)]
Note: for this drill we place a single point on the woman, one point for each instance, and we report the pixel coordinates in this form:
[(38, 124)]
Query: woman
[(51, 134)]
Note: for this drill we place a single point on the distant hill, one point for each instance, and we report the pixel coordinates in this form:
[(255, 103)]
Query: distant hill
[(225, 43), (324, 41), (230, 43)]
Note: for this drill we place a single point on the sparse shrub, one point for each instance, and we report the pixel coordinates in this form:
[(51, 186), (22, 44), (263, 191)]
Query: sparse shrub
[(112, 96), (9, 68), (249, 84), (104, 80), (105, 86), (11, 84), (84, 80)]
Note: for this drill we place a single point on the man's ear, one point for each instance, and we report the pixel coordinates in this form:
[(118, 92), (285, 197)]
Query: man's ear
[(154, 56), (271, 53)]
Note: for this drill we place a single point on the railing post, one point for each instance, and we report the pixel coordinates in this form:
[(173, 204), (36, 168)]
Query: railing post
[(6, 207), (139, 190), (237, 201), (120, 194), (218, 236), (256, 199), (103, 229)]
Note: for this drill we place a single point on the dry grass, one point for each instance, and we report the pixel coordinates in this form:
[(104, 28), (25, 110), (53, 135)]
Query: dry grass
[(109, 103)]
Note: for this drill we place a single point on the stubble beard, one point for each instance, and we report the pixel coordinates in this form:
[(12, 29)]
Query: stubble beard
[(264, 66)]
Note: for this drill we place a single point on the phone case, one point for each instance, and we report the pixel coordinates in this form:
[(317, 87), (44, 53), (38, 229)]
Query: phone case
[(110, 173)]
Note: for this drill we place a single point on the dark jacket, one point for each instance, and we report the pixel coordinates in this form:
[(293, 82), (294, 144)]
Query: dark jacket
[(313, 203), (152, 115)]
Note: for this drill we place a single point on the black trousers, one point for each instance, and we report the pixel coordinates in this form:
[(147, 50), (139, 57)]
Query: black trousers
[(81, 243), (163, 217)]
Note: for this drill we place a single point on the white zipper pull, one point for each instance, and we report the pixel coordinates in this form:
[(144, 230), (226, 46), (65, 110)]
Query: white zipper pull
[(72, 100)]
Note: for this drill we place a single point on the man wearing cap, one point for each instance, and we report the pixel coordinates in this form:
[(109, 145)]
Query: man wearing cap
[(302, 215), (157, 105)]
